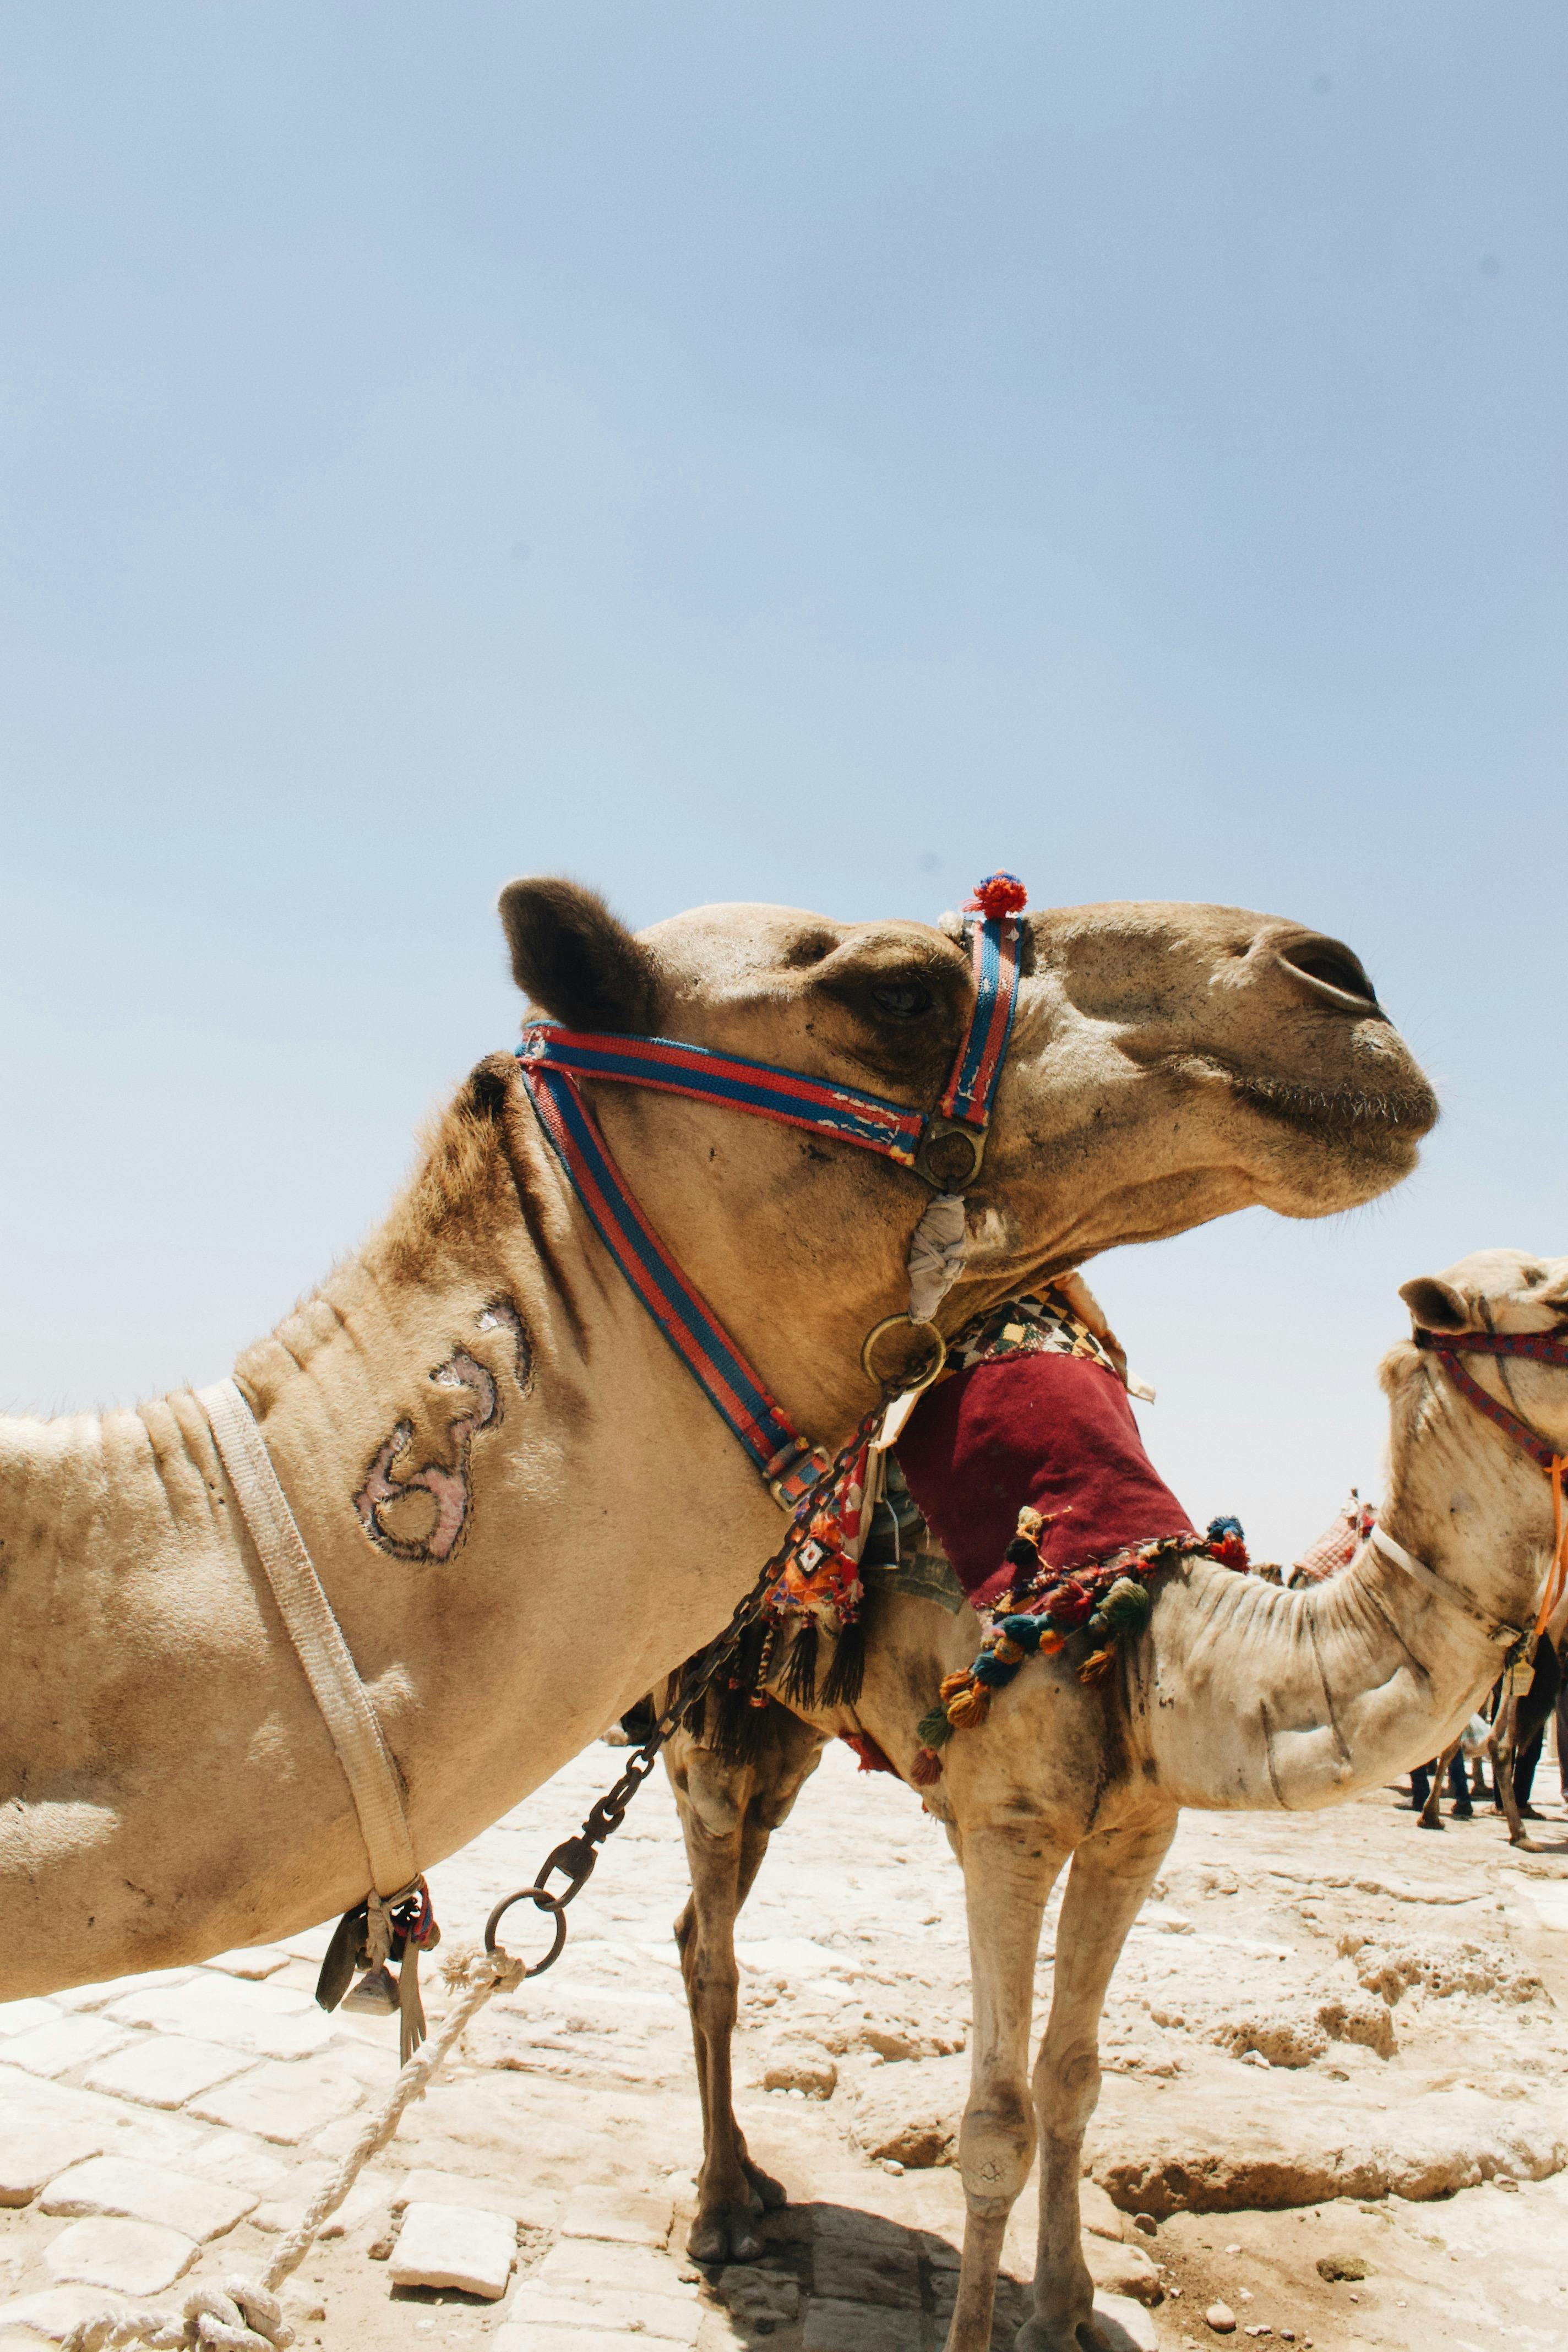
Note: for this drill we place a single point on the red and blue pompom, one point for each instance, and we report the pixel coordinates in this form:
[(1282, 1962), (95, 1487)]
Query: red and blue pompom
[(998, 895)]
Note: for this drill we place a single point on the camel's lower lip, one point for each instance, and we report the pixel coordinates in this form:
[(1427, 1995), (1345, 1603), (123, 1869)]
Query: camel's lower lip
[(1410, 1110)]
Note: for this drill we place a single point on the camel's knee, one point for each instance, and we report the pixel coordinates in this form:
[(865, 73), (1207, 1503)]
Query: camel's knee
[(1067, 2090), (713, 1983), (996, 2143)]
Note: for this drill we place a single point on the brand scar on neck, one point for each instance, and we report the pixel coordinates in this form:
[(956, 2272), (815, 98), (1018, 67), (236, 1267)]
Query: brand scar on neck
[(422, 1515)]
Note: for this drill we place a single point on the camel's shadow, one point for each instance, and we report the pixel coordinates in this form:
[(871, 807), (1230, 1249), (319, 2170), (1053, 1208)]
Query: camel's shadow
[(855, 2281)]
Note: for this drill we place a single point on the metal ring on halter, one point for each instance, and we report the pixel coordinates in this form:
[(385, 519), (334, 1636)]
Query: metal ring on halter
[(923, 1379), (551, 1903)]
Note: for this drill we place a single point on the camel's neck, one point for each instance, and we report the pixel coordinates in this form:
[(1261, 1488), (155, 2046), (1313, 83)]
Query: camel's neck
[(1253, 1696)]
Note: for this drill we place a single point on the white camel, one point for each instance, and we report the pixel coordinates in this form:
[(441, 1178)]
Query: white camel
[(1237, 1694), (519, 1507)]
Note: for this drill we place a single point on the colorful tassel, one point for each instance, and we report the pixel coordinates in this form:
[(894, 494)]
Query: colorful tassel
[(998, 895), (847, 1670), (798, 1688)]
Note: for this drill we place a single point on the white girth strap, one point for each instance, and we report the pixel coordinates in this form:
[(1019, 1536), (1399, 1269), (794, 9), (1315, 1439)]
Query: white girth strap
[(1495, 1630), (317, 1638)]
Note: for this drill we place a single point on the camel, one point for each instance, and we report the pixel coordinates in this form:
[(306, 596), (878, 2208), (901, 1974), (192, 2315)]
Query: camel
[(520, 1508), (1235, 1694)]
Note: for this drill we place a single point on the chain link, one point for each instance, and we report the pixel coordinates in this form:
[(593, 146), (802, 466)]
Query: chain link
[(575, 1857)]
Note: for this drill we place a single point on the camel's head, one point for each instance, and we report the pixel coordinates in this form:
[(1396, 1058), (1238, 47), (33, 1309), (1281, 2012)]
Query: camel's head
[(1168, 1063), (1512, 1293), (1501, 1290), (1247, 1059)]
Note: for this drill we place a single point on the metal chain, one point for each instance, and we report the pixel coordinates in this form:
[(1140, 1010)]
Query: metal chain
[(575, 1857)]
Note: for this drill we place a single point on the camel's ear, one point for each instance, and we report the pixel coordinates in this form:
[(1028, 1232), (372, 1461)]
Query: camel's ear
[(1436, 1306), (573, 958)]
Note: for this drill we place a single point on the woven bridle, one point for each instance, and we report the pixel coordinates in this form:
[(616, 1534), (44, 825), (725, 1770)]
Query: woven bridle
[(554, 1060), (1536, 1348)]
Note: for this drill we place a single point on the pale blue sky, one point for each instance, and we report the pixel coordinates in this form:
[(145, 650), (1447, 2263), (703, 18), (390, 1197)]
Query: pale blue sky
[(811, 455)]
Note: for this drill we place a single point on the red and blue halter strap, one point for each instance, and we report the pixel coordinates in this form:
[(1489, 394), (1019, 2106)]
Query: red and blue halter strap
[(781, 1456), (993, 945), (1539, 1347), (553, 1061), (670, 1067)]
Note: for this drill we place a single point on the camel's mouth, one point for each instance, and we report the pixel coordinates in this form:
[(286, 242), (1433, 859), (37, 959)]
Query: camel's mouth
[(1345, 1110)]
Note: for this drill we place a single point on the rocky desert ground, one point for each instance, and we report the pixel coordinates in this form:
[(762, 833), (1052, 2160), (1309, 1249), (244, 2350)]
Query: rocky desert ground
[(1334, 2104)]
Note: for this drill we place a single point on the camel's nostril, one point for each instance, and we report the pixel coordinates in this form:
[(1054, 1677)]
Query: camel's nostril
[(1331, 970)]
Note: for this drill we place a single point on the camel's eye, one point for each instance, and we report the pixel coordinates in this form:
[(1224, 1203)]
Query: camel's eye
[(900, 1000)]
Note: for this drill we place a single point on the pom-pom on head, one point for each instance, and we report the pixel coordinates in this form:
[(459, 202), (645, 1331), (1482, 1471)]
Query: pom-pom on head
[(998, 895)]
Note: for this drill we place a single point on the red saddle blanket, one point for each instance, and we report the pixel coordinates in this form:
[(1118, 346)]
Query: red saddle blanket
[(1053, 1431)]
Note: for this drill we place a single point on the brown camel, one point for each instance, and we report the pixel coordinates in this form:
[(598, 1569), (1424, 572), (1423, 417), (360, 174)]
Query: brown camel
[(522, 1509), (1237, 1694)]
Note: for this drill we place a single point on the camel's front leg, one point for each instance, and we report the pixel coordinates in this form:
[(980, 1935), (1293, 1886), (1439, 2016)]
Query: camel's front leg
[(1008, 1871), (1110, 1876), (728, 1812)]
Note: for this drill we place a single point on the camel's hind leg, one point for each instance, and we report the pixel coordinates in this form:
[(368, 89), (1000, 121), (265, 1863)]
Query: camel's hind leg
[(1431, 1812), (1008, 1871), (728, 1812), (1110, 1876)]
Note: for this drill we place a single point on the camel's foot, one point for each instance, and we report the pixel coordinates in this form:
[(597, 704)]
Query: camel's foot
[(726, 2231), (1430, 1822), (1521, 1839), (1060, 2336)]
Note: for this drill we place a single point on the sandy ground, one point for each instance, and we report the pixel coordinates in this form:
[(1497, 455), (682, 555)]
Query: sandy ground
[(1335, 2045)]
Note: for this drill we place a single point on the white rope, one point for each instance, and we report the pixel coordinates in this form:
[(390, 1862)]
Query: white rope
[(242, 2315), (936, 1254), (317, 1636)]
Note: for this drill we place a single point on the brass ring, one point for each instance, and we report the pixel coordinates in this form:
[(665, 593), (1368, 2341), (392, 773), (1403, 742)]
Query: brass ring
[(923, 1379)]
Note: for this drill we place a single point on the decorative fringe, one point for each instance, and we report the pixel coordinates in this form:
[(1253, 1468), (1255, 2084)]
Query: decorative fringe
[(926, 1769), (798, 1688), (736, 1730), (846, 1673)]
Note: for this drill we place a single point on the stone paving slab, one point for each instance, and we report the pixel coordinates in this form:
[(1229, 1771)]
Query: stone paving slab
[(620, 2215), (21, 2016), (528, 2335), (164, 2070), (455, 2246), (147, 2192), (32, 2153), (101, 1996), (51, 2313), (849, 2271), (269, 2021), (579, 2261), (663, 2318), (537, 2208), (833, 2326), (280, 2102), (62, 2043), (128, 2257)]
